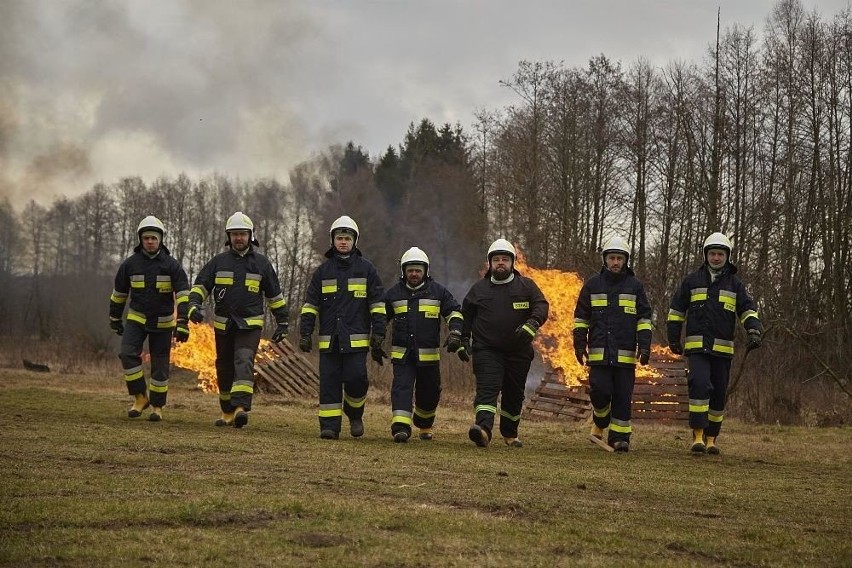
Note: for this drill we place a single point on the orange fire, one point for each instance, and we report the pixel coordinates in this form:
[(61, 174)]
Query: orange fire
[(199, 355), (555, 340)]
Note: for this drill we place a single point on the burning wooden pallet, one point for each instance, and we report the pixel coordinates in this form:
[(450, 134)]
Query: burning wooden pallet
[(279, 369), (663, 398)]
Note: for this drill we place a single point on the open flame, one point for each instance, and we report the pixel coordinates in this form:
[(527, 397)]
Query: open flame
[(555, 340), (199, 355)]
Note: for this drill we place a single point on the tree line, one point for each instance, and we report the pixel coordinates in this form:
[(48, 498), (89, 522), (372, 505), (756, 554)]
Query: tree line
[(754, 141)]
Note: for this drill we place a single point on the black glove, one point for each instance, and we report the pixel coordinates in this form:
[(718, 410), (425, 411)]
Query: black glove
[(376, 351), (754, 339), (676, 347), (117, 327), (644, 356), (464, 350), (526, 331), (195, 313), (453, 342), (182, 331), (280, 332), (581, 356), (305, 343), (378, 355)]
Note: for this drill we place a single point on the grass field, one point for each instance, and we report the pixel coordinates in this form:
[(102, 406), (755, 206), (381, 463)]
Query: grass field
[(82, 485)]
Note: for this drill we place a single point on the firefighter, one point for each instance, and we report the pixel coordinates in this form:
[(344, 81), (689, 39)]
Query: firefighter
[(238, 280), (502, 311), (611, 319), (415, 306), (710, 300), (345, 293), (154, 281)]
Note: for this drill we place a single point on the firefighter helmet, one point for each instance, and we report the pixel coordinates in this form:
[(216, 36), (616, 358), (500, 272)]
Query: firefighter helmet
[(239, 221), (344, 223), (151, 223), (717, 241), (501, 246), (618, 245), (414, 255)]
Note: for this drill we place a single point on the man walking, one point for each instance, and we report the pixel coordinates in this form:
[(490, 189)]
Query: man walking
[(154, 282), (710, 300), (612, 317), (502, 312), (238, 280), (415, 306), (345, 294)]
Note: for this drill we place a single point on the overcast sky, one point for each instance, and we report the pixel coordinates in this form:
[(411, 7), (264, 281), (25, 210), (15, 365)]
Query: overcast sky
[(94, 91)]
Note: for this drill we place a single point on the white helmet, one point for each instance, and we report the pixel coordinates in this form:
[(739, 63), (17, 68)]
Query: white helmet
[(414, 255), (151, 223), (717, 241), (344, 222), (501, 246), (239, 221), (618, 245)]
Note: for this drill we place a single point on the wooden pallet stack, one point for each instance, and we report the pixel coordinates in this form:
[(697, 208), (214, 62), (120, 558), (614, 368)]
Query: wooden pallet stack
[(279, 369), (661, 399)]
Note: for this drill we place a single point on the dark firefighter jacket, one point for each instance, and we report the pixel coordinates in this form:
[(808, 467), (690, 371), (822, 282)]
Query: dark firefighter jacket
[(346, 295), (154, 286), (711, 312), (492, 312), (612, 317), (236, 282), (416, 317)]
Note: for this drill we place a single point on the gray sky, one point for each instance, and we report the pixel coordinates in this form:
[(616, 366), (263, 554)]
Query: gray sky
[(93, 91)]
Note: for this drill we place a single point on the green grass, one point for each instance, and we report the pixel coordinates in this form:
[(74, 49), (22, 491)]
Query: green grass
[(83, 485)]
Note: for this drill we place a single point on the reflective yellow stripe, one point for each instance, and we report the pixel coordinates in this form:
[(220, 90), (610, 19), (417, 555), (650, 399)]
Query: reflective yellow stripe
[(224, 278), (454, 315), (400, 307), (485, 408), (624, 356), (512, 417), (627, 300), (330, 410), (693, 342), (596, 354), (166, 322), (748, 314), (715, 416), (620, 426), (401, 417), (698, 294), (200, 290), (118, 297), (602, 412), (378, 308), (675, 315), (699, 405), (429, 354), (723, 346), (276, 302), (599, 300), (424, 413), (581, 323), (137, 317), (329, 286), (158, 388), (324, 341), (643, 324), (254, 322), (354, 402), (137, 281), (242, 388), (134, 373), (310, 309)]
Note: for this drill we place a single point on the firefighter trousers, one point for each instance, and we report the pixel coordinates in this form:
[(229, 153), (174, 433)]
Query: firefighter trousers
[(504, 374), (611, 391), (130, 354), (343, 387), (708, 387), (235, 351), (423, 385)]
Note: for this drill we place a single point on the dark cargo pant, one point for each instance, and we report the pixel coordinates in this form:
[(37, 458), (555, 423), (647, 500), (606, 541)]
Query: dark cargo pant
[(500, 373), (130, 354), (611, 391), (235, 351)]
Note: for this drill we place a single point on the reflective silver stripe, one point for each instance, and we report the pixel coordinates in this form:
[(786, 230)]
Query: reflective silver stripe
[(726, 296), (225, 274), (425, 302), (599, 300), (400, 307), (137, 281), (697, 294), (252, 276), (201, 290), (693, 342), (329, 283), (397, 352)]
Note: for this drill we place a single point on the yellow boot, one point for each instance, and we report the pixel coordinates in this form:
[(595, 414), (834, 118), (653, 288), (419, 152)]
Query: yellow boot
[(226, 419), (698, 441), (140, 403), (513, 442), (240, 417), (712, 448), (597, 432), (156, 414), (426, 434)]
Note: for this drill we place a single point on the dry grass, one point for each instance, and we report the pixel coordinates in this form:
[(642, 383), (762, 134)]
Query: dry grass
[(83, 485)]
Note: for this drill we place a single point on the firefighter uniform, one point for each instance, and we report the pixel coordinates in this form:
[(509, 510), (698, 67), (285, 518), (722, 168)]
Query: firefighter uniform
[(495, 317), (415, 350), (151, 286), (345, 293), (612, 319), (711, 307), (239, 283)]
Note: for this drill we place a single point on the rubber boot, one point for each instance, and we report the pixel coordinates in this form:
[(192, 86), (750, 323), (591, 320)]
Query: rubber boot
[(356, 427), (401, 437), (426, 434), (156, 414), (226, 419), (479, 436), (621, 446), (240, 417), (140, 404), (698, 441), (513, 442), (712, 448), (329, 435), (596, 431)]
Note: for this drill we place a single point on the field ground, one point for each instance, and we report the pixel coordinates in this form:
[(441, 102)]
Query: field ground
[(82, 485)]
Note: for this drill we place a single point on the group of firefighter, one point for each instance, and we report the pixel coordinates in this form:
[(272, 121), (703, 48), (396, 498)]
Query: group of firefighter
[(348, 310)]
